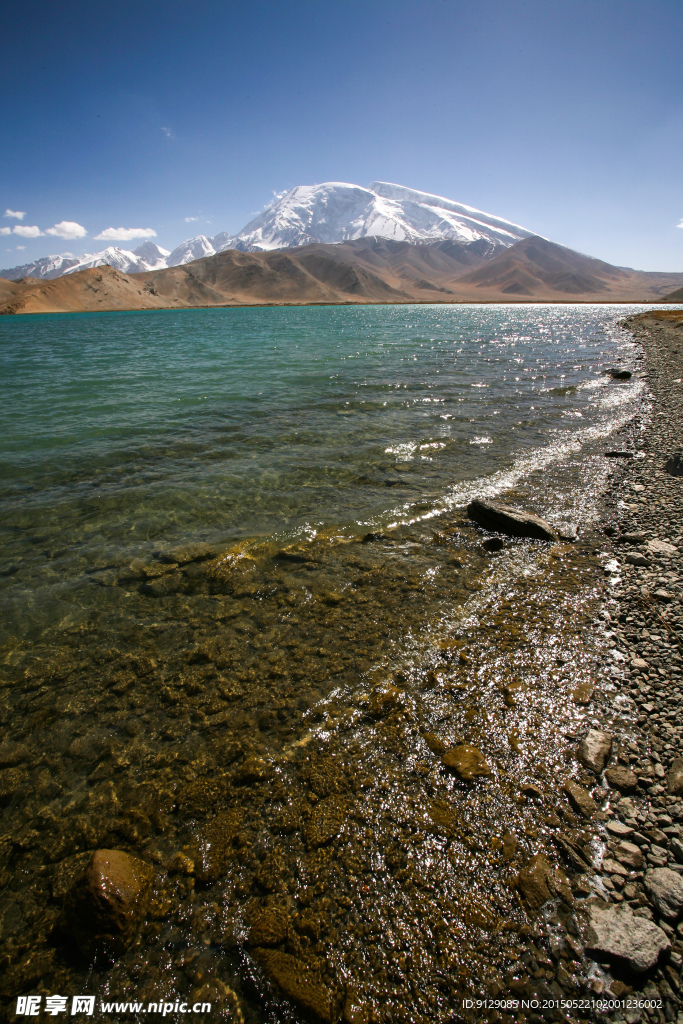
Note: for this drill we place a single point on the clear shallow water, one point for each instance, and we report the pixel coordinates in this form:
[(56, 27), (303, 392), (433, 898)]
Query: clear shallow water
[(127, 433), (266, 726)]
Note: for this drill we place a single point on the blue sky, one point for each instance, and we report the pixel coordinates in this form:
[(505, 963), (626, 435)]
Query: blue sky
[(565, 116)]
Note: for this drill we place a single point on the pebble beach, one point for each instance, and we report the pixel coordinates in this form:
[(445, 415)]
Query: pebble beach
[(614, 948)]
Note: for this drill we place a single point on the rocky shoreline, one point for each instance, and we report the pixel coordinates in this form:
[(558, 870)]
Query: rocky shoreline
[(612, 948)]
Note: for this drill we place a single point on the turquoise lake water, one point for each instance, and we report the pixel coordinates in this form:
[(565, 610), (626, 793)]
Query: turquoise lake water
[(234, 422), (124, 433)]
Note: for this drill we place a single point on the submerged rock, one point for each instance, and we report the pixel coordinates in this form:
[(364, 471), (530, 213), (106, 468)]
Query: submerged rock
[(434, 742), (384, 700), (493, 544), (580, 798), (325, 822), (269, 927), (572, 854), (618, 933), (218, 994), (13, 753), (595, 749), (536, 882), (252, 769), (299, 980), (494, 515), (582, 693), (510, 844), (665, 889), (104, 908), (567, 531), (467, 762), (188, 553)]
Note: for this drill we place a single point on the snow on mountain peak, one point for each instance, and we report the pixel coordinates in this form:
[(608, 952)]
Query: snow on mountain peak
[(191, 249), (336, 211)]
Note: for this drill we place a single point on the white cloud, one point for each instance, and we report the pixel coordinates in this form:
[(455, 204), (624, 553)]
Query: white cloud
[(168, 133), (67, 229), (27, 230), (125, 234), (680, 225), (20, 247), (188, 219), (19, 214), (5, 231)]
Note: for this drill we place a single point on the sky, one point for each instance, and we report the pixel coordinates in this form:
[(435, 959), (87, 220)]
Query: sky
[(163, 119)]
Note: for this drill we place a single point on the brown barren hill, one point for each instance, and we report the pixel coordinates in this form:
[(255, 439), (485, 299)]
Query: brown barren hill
[(99, 288), (538, 269), (367, 270)]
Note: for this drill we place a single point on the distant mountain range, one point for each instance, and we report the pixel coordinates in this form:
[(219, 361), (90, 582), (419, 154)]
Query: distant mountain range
[(148, 256), (331, 212), (368, 269)]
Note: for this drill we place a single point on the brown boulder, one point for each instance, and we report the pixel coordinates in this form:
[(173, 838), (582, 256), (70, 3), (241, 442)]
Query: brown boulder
[(467, 762), (580, 799), (104, 908), (621, 778), (536, 882), (629, 855)]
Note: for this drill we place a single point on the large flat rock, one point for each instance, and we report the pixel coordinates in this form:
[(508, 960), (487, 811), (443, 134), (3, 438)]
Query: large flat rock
[(494, 515), (618, 933), (665, 889)]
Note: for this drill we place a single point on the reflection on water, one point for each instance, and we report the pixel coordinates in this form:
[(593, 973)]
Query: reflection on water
[(245, 617)]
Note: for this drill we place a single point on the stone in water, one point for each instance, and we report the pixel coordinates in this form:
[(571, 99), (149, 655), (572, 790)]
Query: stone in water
[(467, 762), (494, 515)]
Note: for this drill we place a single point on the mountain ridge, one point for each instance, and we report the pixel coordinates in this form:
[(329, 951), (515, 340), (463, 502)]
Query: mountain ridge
[(366, 270)]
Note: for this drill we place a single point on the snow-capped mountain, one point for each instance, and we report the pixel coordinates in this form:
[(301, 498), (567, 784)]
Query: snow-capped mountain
[(148, 256), (152, 255), (46, 267), (191, 249), (331, 212), (335, 212)]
